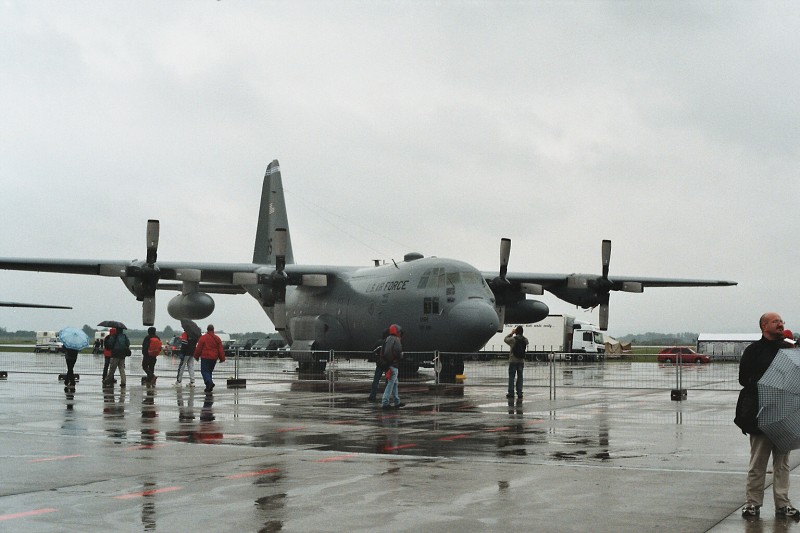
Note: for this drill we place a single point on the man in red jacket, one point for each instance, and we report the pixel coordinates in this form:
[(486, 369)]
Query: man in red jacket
[(208, 351)]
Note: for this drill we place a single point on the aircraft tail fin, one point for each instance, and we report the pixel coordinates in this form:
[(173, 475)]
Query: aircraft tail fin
[(271, 215)]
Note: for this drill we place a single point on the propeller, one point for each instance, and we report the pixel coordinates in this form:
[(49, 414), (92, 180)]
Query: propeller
[(500, 285), (149, 274), (605, 284), (279, 279)]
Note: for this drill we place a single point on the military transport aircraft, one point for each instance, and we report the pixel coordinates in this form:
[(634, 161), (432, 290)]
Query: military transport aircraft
[(442, 304)]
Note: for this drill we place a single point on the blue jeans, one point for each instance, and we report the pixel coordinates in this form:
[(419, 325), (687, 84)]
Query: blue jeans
[(515, 369), (206, 370), (376, 379), (391, 388)]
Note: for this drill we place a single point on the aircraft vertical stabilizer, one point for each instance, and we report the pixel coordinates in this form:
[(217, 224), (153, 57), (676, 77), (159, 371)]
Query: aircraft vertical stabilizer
[(271, 215)]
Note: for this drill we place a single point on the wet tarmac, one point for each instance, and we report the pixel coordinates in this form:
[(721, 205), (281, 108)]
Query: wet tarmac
[(314, 456)]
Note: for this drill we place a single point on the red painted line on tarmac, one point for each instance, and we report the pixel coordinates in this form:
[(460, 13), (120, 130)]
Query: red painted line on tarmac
[(146, 493), (398, 447), (495, 430), (36, 512), (253, 474), (59, 458), (284, 430), (455, 437), (337, 458)]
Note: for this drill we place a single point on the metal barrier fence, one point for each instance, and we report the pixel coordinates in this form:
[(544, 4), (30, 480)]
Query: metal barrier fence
[(353, 367)]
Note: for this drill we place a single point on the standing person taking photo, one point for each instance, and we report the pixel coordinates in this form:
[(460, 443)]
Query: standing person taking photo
[(516, 361)]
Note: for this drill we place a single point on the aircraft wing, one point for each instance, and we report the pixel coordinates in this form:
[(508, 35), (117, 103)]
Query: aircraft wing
[(39, 306), (554, 282)]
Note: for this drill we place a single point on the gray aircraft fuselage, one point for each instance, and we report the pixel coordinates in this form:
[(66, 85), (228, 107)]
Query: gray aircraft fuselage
[(441, 304)]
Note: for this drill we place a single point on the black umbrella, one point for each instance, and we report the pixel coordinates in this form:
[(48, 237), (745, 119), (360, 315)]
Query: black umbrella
[(191, 328), (112, 324)]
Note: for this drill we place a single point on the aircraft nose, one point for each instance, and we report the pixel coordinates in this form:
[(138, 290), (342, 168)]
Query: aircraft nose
[(477, 320)]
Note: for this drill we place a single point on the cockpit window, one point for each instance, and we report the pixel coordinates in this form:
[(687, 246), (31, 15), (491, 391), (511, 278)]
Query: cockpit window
[(437, 278)]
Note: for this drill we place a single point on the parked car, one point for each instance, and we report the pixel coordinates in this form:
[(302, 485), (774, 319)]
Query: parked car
[(173, 347), (687, 355), (240, 345), (266, 347)]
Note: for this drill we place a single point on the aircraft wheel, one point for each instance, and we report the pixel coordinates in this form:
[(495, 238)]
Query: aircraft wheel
[(580, 357), (451, 367)]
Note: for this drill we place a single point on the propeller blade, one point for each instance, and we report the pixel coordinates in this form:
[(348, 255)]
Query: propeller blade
[(279, 316), (149, 311), (501, 314), (152, 240), (606, 257), (604, 316), (505, 253)]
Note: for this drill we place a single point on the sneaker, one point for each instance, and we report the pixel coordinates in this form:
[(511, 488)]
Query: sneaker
[(510, 396), (751, 510), (177, 384), (191, 384), (386, 406), (787, 510), (399, 405), (519, 396)]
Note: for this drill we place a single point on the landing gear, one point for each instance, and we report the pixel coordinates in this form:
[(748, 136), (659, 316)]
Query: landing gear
[(313, 367), (452, 366)]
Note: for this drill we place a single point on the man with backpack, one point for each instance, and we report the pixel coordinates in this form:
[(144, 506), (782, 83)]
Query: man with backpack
[(516, 361), (151, 347), (120, 348)]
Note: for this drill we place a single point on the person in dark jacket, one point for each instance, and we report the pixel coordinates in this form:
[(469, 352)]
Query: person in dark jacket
[(149, 361), (392, 355), (69, 380), (120, 349), (380, 368), (516, 360), (756, 359)]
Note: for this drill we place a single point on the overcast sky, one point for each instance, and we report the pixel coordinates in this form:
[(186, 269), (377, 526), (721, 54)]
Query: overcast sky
[(670, 128)]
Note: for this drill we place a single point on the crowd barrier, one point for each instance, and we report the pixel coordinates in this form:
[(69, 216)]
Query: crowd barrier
[(355, 367)]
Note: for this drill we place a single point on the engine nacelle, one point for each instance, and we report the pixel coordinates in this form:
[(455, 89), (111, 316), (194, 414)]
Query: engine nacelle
[(192, 306), (526, 312)]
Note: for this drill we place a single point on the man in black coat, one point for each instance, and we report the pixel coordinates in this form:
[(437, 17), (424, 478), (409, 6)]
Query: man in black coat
[(756, 359)]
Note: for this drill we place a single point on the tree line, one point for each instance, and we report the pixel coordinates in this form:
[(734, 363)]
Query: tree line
[(165, 334)]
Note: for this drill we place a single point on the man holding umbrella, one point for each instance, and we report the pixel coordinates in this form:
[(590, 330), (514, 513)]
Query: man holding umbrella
[(73, 340), (755, 361)]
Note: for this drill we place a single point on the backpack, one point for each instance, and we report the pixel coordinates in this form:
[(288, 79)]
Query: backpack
[(154, 348), (519, 348), (120, 347)]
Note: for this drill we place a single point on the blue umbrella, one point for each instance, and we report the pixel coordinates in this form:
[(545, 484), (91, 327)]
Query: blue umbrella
[(73, 338)]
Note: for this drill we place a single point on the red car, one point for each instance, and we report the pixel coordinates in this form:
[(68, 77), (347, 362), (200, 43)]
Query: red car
[(670, 355)]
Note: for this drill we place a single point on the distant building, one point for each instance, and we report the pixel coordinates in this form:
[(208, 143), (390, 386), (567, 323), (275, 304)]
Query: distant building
[(725, 345)]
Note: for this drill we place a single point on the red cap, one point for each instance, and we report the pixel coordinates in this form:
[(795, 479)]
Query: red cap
[(788, 334)]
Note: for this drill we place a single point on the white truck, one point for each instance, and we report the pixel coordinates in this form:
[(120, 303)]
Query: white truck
[(47, 341), (557, 334)]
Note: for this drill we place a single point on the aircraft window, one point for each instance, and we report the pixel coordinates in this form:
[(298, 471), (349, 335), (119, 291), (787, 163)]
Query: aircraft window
[(472, 278), (430, 306), (453, 278), (423, 281)]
